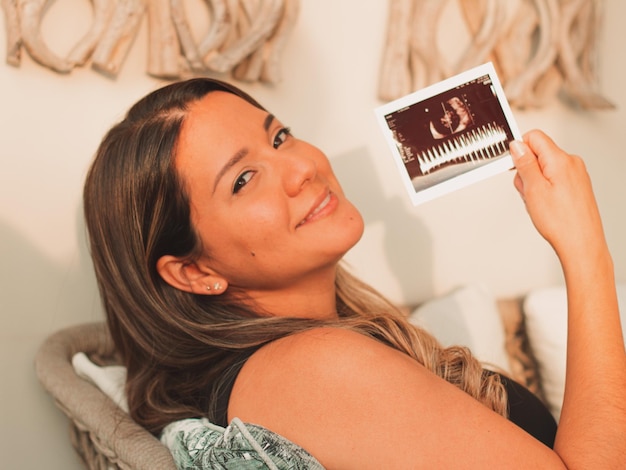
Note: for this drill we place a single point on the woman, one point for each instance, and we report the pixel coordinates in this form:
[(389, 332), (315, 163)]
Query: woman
[(217, 237)]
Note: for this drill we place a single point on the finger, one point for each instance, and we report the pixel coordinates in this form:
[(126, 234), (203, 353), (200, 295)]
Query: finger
[(554, 163), (540, 142), (519, 184), (525, 162)]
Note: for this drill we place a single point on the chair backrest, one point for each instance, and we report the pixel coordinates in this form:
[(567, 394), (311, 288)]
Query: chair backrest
[(104, 435)]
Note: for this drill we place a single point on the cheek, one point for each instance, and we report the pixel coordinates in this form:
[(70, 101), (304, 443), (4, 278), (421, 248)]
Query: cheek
[(265, 217), (243, 232), (326, 169)]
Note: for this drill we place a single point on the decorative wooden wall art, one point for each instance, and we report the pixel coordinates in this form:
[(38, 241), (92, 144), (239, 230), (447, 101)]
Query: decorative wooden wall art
[(245, 38), (541, 48)]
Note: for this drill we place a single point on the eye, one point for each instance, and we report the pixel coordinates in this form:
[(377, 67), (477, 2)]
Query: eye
[(281, 137), (242, 180)]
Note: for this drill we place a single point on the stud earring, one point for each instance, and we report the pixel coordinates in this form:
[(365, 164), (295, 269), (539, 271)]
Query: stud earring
[(208, 288), (217, 286)]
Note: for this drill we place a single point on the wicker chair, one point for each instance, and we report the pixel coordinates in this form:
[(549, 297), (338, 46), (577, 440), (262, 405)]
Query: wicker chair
[(104, 436)]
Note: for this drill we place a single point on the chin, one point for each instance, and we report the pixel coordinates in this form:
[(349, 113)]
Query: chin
[(355, 221)]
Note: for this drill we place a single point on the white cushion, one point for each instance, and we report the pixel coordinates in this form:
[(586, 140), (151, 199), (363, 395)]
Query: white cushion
[(546, 325), (467, 316), (109, 379)]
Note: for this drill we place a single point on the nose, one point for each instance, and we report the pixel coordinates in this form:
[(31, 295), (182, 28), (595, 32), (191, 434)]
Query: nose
[(298, 170)]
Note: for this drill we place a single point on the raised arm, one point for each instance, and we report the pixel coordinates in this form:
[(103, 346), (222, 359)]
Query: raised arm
[(559, 198)]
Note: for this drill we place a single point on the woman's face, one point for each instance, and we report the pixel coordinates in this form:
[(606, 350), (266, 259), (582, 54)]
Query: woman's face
[(269, 211)]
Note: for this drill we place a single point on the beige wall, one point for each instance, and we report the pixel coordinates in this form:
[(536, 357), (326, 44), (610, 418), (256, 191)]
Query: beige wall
[(51, 125)]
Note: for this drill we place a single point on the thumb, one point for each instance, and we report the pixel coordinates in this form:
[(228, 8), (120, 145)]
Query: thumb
[(526, 163)]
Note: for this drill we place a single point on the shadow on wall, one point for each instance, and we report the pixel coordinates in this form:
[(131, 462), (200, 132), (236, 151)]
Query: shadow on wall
[(26, 279), (38, 296), (407, 244), (44, 294)]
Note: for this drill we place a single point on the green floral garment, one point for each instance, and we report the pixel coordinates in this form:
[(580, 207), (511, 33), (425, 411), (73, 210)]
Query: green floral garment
[(198, 444)]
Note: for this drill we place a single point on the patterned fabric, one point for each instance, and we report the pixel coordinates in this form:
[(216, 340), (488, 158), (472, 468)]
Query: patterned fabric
[(198, 444)]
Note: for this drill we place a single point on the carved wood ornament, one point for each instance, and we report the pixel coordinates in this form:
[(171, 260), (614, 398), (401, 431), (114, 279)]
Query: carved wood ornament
[(245, 38), (540, 48)]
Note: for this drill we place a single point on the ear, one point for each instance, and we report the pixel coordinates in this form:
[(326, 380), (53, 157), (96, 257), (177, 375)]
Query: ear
[(190, 276)]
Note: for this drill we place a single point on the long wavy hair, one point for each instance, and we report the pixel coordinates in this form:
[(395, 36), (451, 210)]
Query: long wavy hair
[(181, 348)]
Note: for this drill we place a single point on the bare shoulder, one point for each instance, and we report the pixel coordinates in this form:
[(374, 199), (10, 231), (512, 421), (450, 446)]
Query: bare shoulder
[(316, 361), (353, 402), (322, 351)]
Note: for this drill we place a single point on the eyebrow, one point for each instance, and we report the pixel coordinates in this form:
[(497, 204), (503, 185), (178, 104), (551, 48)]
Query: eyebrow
[(240, 155), (232, 161), (268, 122)]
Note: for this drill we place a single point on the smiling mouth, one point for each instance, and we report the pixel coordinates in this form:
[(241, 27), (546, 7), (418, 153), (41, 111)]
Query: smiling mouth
[(317, 210)]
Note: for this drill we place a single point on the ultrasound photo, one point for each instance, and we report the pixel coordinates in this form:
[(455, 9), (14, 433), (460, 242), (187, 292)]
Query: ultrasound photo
[(450, 134)]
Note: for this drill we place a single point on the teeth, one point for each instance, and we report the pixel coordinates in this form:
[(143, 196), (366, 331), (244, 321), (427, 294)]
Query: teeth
[(317, 209), (321, 206)]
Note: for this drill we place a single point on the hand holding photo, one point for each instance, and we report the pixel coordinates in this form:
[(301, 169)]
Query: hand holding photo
[(450, 134)]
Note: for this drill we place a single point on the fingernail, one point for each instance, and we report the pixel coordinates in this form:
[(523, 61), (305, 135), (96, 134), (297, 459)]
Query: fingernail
[(517, 148)]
